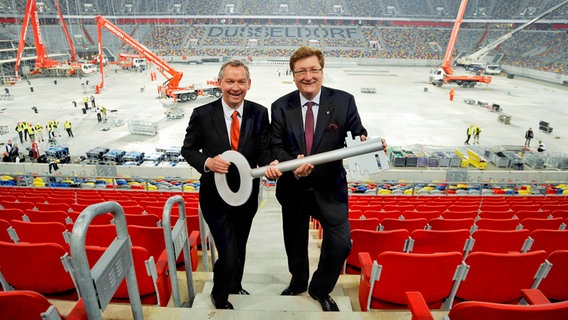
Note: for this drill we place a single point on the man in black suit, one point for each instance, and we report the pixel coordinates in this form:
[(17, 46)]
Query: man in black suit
[(319, 191), (210, 132)]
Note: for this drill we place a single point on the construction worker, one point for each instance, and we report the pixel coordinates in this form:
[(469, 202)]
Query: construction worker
[(31, 131), (67, 126), (39, 132), (25, 127), (469, 132), (452, 94), (476, 133), (86, 102), (20, 131)]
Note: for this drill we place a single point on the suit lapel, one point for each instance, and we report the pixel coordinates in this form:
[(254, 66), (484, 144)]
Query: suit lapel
[(219, 123), (247, 120), (325, 112), (297, 121)]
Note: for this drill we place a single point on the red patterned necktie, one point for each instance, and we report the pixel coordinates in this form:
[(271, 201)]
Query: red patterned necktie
[(235, 131), (309, 127)]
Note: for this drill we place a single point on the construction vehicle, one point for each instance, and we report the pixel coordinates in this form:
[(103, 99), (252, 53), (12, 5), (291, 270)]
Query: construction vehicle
[(170, 88), (476, 60), (44, 65), (131, 61), (445, 74)]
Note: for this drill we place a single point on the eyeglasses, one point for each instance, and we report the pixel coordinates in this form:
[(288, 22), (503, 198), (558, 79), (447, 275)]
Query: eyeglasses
[(305, 72)]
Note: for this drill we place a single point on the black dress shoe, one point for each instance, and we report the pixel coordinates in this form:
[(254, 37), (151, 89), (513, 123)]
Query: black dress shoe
[(242, 292), (291, 292), (326, 302), (226, 305)]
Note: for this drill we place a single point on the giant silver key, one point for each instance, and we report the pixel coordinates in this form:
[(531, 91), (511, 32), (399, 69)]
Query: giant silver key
[(247, 175)]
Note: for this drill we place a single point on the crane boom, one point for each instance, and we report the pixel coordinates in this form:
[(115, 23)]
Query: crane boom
[(64, 26), (43, 64), (445, 73), (481, 53), (176, 76), (447, 62), (170, 88)]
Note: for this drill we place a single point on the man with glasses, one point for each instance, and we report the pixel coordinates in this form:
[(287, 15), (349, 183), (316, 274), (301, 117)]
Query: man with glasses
[(311, 120)]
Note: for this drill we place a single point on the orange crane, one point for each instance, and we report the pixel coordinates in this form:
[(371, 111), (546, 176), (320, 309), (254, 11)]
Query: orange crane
[(44, 64), (445, 74), (170, 88)]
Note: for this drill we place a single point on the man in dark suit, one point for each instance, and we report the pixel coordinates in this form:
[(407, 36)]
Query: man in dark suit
[(319, 191), (210, 132)]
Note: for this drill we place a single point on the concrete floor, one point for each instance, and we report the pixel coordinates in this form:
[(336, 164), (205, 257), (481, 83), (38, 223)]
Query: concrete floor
[(405, 109)]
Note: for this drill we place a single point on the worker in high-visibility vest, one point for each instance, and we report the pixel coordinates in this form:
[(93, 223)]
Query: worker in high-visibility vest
[(20, 131), (67, 126), (39, 132), (31, 131)]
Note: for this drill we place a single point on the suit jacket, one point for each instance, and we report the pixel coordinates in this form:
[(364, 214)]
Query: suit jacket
[(207, 136), (337, 115)]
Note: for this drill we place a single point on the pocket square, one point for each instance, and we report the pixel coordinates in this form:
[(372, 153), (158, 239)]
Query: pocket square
[(332, 126)]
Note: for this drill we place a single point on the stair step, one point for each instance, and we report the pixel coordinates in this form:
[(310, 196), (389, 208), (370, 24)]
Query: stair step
[(272, 303), (267, 288)]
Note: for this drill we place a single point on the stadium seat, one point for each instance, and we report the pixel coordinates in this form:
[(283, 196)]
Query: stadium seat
[(9, 214), (496, 277), (396, 273), (433, 241), (523, 214), (147, 220), (22, 205), (502, 241), (364, 224), (497, 214), (459, 214), (547, 240), (393, 214), (475, 310), (48, 216), (496, 224), (41, 232), (4, 235), (36, 267), (553, 285), (25, 304), (53, 207), (373, 242), (417, 214), (450, 224), (542, 223), (388, 224)]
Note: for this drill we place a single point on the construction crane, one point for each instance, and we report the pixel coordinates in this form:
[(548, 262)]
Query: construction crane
[(170, 88), (476, 58), (445, 74), (44, 64)]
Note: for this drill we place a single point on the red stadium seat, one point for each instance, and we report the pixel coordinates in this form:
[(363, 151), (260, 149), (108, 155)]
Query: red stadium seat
[(548, 240), (373, 242), (553, 285), (542, 223), (364, 224), (433, 241), (496, 277), (407, 224), (450, 224), (475, 310), (502, 241), (396, 273), (496, 224), (36, 267), (41, 232)]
